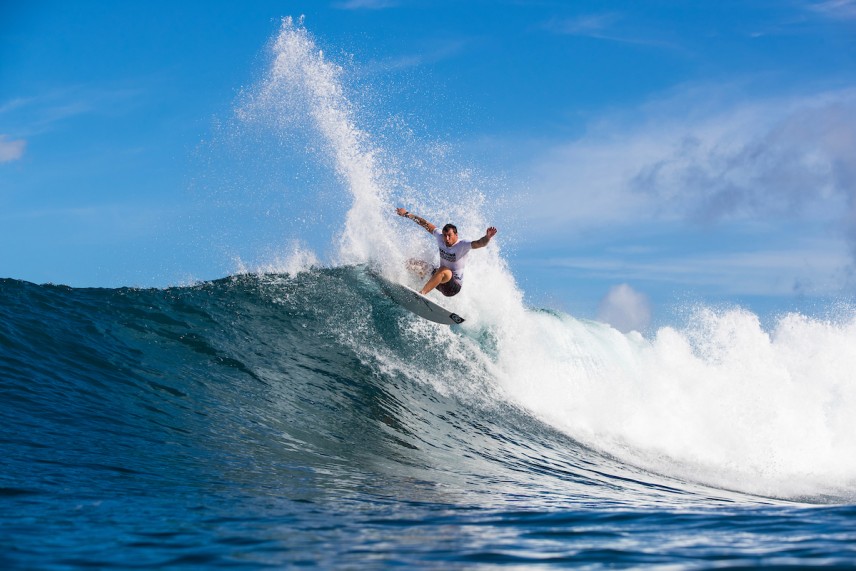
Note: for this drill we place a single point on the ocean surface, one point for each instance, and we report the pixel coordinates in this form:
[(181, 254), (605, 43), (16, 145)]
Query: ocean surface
[(307, 420)]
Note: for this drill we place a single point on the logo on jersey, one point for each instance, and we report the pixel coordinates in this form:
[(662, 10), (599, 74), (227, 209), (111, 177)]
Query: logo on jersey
[(448, 256)]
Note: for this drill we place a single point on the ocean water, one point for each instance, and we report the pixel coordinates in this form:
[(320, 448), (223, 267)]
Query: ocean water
[(292, 415), (285, 420)]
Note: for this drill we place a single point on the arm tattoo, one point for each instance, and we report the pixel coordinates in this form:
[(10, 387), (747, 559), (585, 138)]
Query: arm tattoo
[(421, 221)]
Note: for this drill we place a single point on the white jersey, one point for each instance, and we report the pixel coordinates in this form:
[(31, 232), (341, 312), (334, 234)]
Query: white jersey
[(453, 257)]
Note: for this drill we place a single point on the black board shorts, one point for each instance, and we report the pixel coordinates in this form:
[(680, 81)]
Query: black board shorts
[(450, 288)]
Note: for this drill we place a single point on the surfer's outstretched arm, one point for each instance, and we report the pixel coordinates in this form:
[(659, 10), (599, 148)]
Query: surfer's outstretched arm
[(421, 221), (483, 241)]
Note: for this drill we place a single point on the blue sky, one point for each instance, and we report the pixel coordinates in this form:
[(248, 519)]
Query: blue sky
[(691, 151)]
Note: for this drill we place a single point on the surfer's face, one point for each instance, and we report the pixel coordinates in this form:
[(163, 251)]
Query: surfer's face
[(450, 236)]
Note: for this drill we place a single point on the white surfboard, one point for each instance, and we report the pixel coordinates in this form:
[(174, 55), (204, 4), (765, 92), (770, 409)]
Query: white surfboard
[(418, 303)]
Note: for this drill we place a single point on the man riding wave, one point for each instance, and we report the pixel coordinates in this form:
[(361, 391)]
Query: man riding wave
[(448, 278)]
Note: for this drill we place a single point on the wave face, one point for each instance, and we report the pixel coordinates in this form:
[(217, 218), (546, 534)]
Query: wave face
[(281, 419)]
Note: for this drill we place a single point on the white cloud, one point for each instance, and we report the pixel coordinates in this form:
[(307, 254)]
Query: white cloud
[(625, 309), (770, 159), (11, 150), (431, 53), (687, 159)]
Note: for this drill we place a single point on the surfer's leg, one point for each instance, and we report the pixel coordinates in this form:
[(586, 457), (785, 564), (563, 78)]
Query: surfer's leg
[(441, 276)]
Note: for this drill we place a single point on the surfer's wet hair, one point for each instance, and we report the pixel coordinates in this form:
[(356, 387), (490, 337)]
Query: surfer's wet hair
[(450, 227)]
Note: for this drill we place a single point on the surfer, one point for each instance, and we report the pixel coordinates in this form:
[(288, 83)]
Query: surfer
[(448, 278)]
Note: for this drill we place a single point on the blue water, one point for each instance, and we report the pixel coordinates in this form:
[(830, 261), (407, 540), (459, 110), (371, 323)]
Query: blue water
[(288, 420)]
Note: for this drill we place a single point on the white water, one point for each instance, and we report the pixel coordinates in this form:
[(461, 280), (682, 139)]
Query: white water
[(719, 401)]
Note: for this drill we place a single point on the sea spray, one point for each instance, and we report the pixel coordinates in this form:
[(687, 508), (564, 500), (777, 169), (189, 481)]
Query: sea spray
[(301, 84), (303, 90)]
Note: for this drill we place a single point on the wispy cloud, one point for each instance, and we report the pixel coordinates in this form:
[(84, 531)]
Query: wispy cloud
[(11, 149), (592, 25), (835, 9), (432, 53), (43, 112), (366, 4), (814, 267), (607, 26)]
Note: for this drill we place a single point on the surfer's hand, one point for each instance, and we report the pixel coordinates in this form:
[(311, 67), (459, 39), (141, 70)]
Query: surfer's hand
[(401, 211), (491, 232)]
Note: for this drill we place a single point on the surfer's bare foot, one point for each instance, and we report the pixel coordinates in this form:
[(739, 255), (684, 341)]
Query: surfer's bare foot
[(420, 267)]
